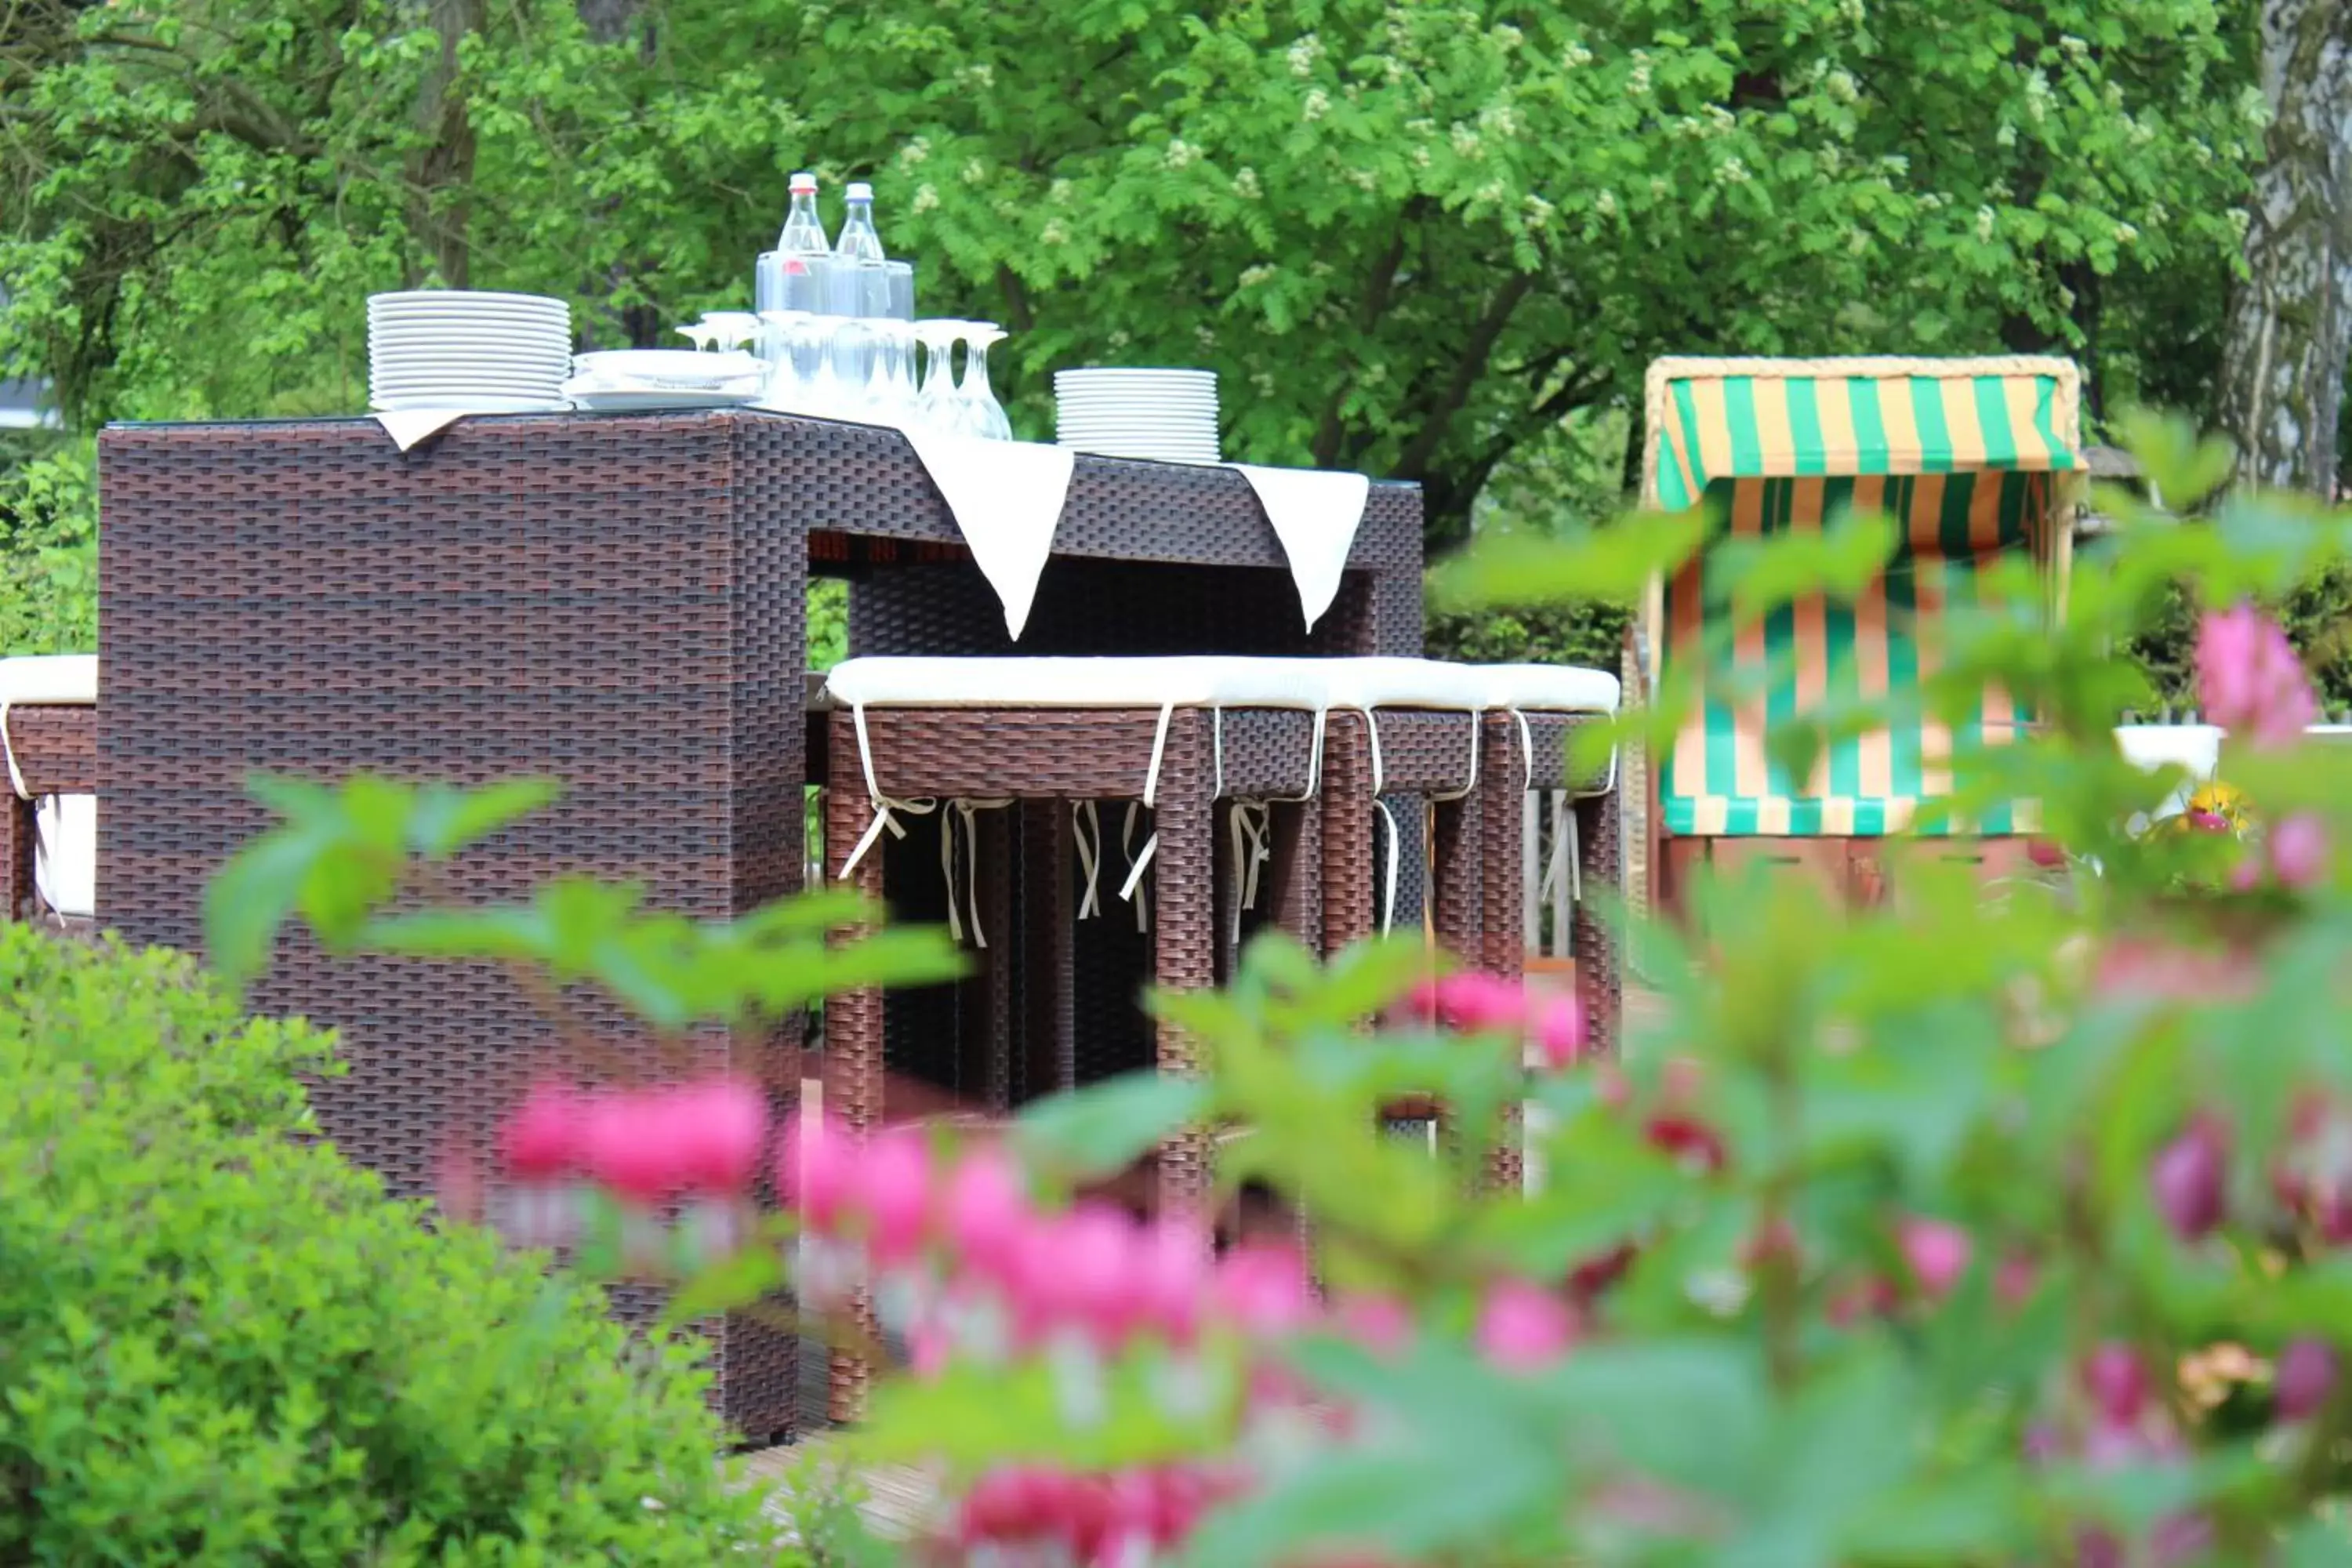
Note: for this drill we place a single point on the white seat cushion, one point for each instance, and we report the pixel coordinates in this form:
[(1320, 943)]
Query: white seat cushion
[(58, 677), (1544, 688), (1205, 681), (1218, 681), (65, 870)]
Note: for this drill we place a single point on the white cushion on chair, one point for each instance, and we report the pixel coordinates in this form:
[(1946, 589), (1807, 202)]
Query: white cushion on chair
[(65, 870), (57, 677), (1544, 688), (1205, 681), (1218, 681)]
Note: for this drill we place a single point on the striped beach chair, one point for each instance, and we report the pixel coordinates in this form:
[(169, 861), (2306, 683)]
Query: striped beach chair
[(1972, 459)]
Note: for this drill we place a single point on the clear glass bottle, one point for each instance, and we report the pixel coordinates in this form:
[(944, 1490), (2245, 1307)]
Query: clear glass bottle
[(800, 249), (859, 240), (804, 232)]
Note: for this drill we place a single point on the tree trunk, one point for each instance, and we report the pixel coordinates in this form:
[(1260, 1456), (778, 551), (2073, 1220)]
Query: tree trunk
[(441, 173), (2289, 328)]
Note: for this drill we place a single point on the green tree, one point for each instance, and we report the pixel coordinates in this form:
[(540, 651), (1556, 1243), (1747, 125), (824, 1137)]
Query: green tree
[(1411, 237)]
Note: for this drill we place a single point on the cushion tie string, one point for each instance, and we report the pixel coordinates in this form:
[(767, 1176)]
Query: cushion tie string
[(1150, 798), (1252, 827), (963, 811), (885, 807), (1526, 750), (1389, 896), (9, 749), (1135, 866), (1565, 864), (1477, 721), (1085, 829)]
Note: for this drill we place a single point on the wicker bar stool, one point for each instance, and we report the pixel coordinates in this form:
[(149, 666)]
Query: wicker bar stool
[(48, 736), (1412, 733), (968, 739)]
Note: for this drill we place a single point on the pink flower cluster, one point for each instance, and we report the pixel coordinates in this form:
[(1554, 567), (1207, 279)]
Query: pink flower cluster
[(698, 1139), (2249, 678), (1476, 1003), (1122, 1516)]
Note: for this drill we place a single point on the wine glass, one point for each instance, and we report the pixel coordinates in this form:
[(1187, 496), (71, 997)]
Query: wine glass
[(982, 415), (935, 403)]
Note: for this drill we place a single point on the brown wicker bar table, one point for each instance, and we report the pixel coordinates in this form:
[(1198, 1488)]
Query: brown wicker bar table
[(617, 602)]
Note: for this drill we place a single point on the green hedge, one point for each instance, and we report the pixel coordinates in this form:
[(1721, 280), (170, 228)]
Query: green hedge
[(220, 1343)]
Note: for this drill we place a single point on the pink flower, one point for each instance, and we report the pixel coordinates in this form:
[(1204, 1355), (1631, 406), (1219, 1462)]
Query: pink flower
[(1936, 1252), (1382, 1325), (1262, 1287), (630, 1146), (2249, 678), (985, 1211), (2116, 1383), (1559, 1032), (894, 1183), (720, 1124), (815, 1169), (1096, 1281), (2189, 1177), (2298, 849), (1522, 1326), (1172, 1271), (2303, 1379), (2045, 854), (2208, 822), (540, 1141), (1473, 1003)]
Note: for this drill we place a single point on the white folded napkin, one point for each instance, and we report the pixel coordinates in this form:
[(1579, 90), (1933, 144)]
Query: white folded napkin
[(407, 427), (1315, 513), (1006, 498)]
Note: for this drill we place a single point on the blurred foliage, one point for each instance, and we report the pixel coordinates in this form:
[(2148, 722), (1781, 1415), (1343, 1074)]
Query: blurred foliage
[(221, 1344), (1876, 1238), (1411, 238)]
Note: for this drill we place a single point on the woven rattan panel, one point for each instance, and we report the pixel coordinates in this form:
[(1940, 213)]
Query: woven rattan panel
[(1206, 585), (610, 603)]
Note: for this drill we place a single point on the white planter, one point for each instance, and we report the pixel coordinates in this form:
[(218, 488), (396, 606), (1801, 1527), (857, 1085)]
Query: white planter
[(2195, 747)]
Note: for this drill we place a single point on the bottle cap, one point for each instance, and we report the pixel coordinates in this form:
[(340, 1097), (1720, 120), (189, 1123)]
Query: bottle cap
[(803, 183), (860, 191)]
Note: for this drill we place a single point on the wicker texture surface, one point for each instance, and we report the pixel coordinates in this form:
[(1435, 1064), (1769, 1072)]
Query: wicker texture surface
[(617, 602), (55, 751)]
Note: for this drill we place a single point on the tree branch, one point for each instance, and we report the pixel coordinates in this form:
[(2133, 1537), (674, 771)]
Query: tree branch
[(1489, 330), (1328, 428)]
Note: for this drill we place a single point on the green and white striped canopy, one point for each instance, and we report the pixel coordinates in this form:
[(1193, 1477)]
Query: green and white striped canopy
[(1961, 454)]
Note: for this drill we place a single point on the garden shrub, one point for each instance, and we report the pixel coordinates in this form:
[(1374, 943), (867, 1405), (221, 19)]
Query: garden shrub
[(221, 1343)]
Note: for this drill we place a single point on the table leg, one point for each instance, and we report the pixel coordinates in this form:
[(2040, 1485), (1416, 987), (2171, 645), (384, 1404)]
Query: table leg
[(1184, 931), (853, 1039), (1502, 820)]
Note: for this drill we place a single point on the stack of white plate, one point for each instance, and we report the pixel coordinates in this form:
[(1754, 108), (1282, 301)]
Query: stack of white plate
[(1167, 414), (446, 348), (626, 379)]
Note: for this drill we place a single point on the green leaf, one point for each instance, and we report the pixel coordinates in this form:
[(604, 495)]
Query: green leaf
[(446, 820), (252, 896), (1107, 1127), (738, 1281)]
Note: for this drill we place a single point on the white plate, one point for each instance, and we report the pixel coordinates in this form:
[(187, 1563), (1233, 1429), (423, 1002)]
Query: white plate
[(1139, 406), (679, 364), (427, 343), (1079, 377), (466, 388), (409, 296), (1138, 433), (639, 402), (464, 313), (483, 404), (489, 358), (486, 385), (1140, 410), (1141, 449)]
